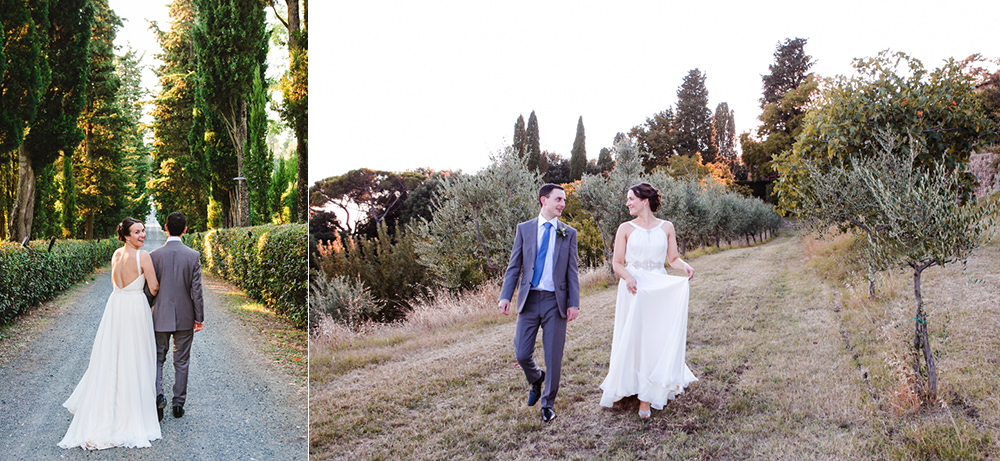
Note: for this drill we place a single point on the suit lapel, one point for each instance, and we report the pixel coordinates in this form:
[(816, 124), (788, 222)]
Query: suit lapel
[(558, 249)]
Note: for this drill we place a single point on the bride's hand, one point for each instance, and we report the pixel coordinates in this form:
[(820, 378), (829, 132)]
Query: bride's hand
[(630, 285), (689, 271)]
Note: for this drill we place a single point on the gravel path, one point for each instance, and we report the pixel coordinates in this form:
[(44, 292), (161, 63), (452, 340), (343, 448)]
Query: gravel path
[(238, 405)]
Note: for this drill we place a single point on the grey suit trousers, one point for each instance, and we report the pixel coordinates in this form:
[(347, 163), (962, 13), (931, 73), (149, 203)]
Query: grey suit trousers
[(182, 356), (541, 310)]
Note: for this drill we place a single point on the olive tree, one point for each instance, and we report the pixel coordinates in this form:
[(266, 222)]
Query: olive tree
[(910, 215), (475, 220)]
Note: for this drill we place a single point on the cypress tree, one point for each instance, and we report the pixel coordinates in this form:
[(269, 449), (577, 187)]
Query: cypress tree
[(532, 144), (519, 136), (180, 178), (230, 42), (578, 156), (54, 128), (725, 132), (694, 118)]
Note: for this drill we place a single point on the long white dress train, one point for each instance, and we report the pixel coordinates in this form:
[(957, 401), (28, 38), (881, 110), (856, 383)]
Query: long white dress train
[(114, 405), (647, 349)]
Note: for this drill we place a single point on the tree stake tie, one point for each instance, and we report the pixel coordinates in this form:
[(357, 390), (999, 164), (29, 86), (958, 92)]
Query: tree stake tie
[(920, 321)]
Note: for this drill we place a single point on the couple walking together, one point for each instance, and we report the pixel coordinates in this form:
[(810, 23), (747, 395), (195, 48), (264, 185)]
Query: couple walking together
[(157, 296), (650, 331)]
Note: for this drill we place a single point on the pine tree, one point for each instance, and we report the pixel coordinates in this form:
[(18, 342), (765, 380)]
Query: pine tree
[(657, 138), (790, 69), (578, 156), (533, 146), (694, 118), (519, 137)]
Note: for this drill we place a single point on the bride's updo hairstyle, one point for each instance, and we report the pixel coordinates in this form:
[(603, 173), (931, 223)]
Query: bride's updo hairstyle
[(123, 228), (646, 191)]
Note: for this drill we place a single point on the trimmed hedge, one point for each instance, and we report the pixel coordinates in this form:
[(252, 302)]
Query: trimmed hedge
[(31, 277), (268, 262)]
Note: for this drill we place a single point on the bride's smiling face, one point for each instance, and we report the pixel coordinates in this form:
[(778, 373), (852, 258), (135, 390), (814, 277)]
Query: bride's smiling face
[(635, 204), (136, 235)]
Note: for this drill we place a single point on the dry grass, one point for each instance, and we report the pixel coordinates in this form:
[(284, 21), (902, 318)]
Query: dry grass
[(794, 362)]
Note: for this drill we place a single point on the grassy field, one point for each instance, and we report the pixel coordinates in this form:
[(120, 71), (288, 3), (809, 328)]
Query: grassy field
[(793, 360)]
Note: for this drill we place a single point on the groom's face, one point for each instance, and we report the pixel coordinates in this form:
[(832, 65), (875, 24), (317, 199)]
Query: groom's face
[(553, 205)]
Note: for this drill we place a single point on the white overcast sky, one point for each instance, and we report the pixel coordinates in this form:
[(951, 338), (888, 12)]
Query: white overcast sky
[(398, 85)]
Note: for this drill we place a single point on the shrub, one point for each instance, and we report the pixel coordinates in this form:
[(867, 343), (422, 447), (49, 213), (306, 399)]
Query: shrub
[(268, 262), (387, 265), (35, 275), (345, 300)]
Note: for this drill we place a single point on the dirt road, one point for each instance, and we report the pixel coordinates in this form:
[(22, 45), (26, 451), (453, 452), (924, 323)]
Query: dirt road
[(239, 406)]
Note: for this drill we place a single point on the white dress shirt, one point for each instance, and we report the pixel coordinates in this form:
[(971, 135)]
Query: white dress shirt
[(546, 283)]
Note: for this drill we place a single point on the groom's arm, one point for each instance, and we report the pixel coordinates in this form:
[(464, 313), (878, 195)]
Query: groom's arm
[(511, 274), (572, 274), (196, 297)]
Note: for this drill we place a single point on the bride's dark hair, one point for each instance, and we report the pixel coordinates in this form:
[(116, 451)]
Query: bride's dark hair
[(124, 226), (645, 191)]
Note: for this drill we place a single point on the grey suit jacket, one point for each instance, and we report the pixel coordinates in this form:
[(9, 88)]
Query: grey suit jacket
[(522, 262), (178, 304)]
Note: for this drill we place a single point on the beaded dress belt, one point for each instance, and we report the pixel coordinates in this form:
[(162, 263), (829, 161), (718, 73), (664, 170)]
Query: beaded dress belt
[(646, 265)]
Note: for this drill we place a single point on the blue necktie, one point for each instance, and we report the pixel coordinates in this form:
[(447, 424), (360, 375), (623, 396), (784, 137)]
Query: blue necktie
[(540, 257)]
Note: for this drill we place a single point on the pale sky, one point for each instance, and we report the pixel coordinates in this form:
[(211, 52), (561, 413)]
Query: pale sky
[(400, 85)]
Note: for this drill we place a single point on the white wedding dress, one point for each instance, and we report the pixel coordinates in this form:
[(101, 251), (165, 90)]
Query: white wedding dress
[(647, 350), (114, 405)]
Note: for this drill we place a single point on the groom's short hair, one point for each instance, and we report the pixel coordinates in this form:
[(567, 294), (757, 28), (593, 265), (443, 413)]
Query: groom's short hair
[(546, 190), (176, 223)]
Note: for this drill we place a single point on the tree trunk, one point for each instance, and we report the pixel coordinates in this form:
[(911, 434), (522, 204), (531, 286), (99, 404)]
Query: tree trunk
[(242, 192), (920, 341), (23, 211)]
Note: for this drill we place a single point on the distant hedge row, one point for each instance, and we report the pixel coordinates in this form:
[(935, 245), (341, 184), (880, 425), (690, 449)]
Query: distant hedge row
[(35, 275), (269, 262)]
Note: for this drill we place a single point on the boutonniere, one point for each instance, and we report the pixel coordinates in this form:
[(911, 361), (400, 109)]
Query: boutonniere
[(561, 232)]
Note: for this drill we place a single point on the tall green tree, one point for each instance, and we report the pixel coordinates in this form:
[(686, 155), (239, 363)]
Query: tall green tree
[(533, 146), (24, 77), (789, 70), (657, 139), (260, 159), (724, 123), (230, 42), (694, 118), (136, 163), (55, 125), (519, 137), (180, 178), (788, 91), (578, 156), (295, 92), (97, 163)]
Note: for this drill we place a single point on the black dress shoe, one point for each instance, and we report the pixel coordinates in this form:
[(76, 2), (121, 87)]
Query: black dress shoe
[(178, 411), (548, 414), (536, 390), (161, 403)]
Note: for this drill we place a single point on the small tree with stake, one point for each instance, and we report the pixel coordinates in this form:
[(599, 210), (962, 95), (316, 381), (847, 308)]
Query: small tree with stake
[(910, 215)]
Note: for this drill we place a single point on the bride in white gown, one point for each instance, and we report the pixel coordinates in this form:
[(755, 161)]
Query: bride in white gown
[(114, 405), (647, 350)]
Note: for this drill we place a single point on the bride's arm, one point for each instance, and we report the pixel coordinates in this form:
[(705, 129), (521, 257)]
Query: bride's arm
[(618, 260), (147, 269), (673, 257)]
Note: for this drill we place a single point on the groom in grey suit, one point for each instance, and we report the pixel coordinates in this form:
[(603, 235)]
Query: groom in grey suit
[(178, 309), (543, 269)]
